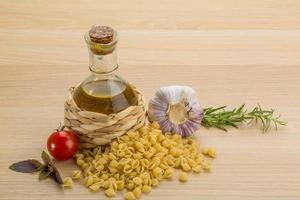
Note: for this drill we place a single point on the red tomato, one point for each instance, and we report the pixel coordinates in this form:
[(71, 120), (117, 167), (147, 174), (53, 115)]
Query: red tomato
[(62, 145)]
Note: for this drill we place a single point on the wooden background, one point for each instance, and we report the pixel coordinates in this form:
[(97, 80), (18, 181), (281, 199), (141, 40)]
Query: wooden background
[(230, 52)]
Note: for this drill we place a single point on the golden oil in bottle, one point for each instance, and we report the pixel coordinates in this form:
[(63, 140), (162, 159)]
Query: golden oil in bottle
[(105, 96)]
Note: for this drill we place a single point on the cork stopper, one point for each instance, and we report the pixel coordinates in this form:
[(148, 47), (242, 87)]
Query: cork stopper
[(101, 34)]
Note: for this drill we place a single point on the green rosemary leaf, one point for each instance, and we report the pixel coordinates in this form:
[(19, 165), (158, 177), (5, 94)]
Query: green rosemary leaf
[(220, 127), (240, 108), (232, 124), (276, 126), (262, 123), (268, 124), (211, 109)]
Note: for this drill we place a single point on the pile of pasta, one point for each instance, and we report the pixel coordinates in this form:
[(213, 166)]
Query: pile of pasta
[(140, 160)]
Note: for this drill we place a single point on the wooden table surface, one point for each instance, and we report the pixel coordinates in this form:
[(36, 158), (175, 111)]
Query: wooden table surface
[(230, 52)]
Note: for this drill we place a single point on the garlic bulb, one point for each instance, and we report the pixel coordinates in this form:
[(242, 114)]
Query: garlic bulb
[(176, 109)]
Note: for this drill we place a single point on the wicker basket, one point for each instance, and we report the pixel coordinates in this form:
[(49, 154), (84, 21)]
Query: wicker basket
[(95, 129)]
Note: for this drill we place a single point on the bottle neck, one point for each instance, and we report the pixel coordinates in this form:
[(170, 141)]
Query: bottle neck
[(103, 64)]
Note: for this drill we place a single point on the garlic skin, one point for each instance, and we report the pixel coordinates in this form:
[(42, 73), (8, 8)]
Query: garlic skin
[(176, 109)]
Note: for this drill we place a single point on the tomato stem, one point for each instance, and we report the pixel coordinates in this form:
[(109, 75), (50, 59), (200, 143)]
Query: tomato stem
[(60, 127)]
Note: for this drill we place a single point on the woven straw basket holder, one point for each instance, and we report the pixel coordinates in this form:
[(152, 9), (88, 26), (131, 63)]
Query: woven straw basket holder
[(94, 129)]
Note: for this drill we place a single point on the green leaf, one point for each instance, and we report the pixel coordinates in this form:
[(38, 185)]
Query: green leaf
[(232, 124), (46, 158), (220, 127), (26, 166), (241, 108), (211, 109), (45, 172)]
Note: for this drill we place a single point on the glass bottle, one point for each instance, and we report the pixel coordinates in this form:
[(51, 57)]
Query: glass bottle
[(104, 91)]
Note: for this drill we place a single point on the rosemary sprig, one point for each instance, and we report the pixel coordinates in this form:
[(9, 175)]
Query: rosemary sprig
[(220, 118)]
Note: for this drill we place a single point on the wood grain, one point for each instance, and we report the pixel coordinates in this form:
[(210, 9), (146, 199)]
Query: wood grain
[(151, 15), (230, 52)]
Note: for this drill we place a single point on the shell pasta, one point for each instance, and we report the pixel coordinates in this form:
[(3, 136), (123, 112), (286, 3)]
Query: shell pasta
[(140, 160)]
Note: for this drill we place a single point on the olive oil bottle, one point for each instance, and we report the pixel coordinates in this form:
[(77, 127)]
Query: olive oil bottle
[(103, 91)]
